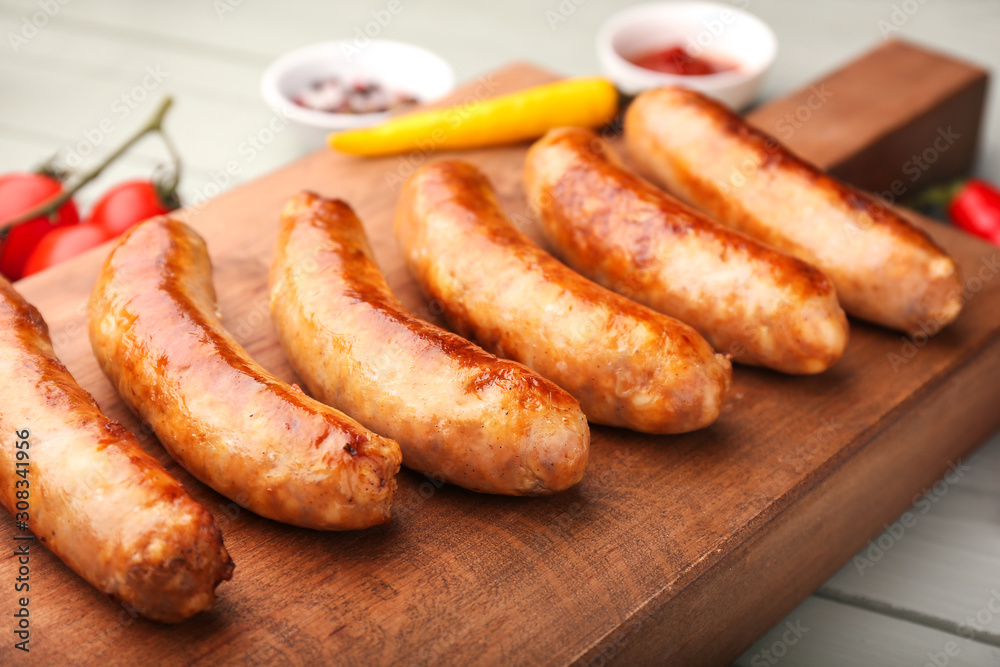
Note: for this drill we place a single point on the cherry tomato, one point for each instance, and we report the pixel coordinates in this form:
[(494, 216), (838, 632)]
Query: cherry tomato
[(20, 193), (976, 209), (127, 204), (63, 243)]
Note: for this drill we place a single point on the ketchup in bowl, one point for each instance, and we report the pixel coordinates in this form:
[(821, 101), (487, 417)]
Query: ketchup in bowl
[(676, 60)]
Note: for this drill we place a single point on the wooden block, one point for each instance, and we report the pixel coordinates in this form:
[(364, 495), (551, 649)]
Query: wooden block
[(896, 120)]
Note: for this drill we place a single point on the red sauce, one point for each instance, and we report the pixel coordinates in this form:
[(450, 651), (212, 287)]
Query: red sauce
[(676, 60)]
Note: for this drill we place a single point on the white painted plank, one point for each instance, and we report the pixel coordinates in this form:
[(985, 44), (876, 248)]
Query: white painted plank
[(558, 34), (25, 154), (942, 557), (208, 133), (561, 33), (115, 58), (820, 633)]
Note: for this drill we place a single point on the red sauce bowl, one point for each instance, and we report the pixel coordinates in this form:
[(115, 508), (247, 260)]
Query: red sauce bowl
[(714, 48)]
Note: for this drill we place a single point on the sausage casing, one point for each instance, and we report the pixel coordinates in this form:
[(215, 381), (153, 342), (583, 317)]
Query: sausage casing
[(90, 492), (627, 364), (759, 305), (457, 411), (157, 335), (884, 269)]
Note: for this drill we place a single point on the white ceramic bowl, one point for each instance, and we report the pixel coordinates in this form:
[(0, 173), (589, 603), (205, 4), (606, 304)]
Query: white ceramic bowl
[(394, 65), (705, 29)]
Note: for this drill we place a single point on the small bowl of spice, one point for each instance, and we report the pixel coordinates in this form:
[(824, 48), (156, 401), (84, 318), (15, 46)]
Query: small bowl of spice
[(334, 86), (713, 48)]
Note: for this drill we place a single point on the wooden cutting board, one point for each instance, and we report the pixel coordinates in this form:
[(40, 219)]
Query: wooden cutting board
[(673, 548)]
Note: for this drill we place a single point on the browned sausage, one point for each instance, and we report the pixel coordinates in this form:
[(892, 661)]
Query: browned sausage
[(626, 364), (457, 411), (761, 306), (156, 332), (87, 489), (884, 269)]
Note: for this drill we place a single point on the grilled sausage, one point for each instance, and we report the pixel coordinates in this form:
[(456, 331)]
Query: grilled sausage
[(156, 332), (86, 488), (885, 270), (763, 307), (457, 411), (627, 364)]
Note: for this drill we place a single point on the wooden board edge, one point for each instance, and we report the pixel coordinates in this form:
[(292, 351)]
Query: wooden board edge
[(865, 169), (874, 159), (762, 580)]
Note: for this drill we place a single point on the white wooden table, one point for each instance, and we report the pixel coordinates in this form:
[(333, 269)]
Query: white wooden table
[(926, 592)]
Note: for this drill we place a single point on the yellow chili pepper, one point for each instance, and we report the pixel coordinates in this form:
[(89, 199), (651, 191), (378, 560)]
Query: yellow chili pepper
[(519, 116)]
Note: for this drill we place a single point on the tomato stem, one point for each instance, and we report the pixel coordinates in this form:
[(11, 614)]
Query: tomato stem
[(166, 189), (50, 206)]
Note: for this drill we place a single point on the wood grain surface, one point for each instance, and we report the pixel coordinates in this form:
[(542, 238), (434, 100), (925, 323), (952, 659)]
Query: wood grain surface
[(679, 549), (900, 118)]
